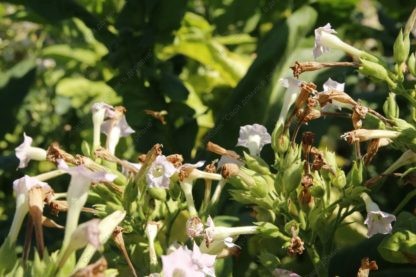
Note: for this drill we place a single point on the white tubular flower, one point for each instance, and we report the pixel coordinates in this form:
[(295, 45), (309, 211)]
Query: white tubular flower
[(325, 39), (151, 233), (26, 152), (81, 179), (106, 228), (217, 238), (116, 127), (254, 137), (21, 188), (159, 173), (360, 135), (280, 272), (87, 233), (184, 262), (190, 172), (377, 221), (100, 111), (292, 92)]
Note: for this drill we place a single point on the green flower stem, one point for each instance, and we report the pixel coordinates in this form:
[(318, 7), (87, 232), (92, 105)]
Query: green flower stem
[(207, 194), (217, 192), (49, 175), (321, 268), (19, 216), (75, 207), (405, 200), (187, 190)]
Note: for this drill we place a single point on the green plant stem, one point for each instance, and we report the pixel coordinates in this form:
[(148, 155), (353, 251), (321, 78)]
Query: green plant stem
[(405, 200), (321, 269)]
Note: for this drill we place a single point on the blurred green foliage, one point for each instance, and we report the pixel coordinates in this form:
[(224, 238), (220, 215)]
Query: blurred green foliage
[(212, 65)]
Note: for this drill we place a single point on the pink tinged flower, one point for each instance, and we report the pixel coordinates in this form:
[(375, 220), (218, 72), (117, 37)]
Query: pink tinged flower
[(77, 194), (26, 152), (280, 272), (377, 221), (86, 233), (325, 39), (320, 47), (82, 177), (254, 137), (292, 86), (100, 111), (115, 128), (184, 262), (159, 173)]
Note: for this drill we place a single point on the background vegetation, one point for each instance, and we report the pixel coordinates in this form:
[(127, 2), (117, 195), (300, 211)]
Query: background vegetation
[(212, 65)]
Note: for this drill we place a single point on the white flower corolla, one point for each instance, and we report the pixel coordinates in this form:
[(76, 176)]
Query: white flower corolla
[(22, 187), (26, 152), (159, 173), (187, 263), (254, 137), (106, 228), (86, 233), (330, 85), (377, 221), (280, 272), (81, 179), (151, 232), (100, 111), (116, 127), (77, 194), (292, 86), (325, 39)]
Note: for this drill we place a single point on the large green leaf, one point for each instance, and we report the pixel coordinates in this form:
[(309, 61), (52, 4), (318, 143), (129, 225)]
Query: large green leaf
[(83, 93), (14, 86), (251, 98)]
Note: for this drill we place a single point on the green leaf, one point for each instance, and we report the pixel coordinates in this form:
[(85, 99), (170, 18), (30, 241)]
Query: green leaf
[(83, 93), (14, 86), (66, 53), (400, 247)]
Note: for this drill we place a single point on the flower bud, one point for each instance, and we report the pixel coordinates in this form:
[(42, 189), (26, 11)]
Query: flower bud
[(401, 48), (390, 107), (355, 176), (158, 193), (411, 64), (373, 69), (256, 163)]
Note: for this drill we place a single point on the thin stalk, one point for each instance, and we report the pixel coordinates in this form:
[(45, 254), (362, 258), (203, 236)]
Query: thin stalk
[(405, 200)]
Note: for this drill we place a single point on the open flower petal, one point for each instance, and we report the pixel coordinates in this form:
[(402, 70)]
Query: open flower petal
[(26, 152), (185, 262), (319, 48), (379, 222), (254, 137), (160, 172)]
